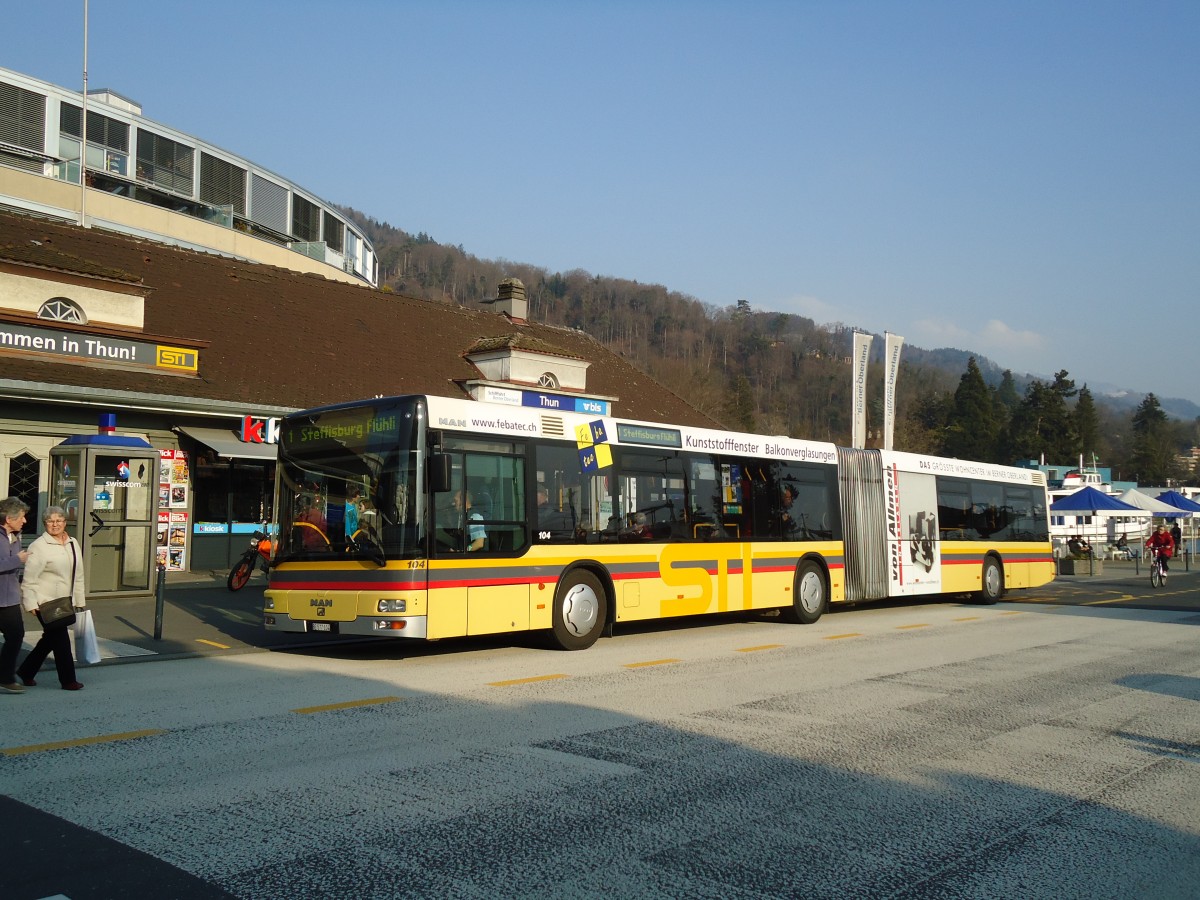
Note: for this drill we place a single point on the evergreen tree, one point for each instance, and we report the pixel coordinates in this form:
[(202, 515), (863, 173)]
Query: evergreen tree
[(1041, 426), (971, 429), (1007, 395), (1153, 457), (1085, 423)]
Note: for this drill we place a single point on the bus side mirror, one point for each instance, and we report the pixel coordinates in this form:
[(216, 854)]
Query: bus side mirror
[(439, 472)]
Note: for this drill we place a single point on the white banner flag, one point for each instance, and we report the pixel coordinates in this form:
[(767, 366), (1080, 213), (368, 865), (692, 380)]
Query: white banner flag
[(890, 374), (862, 348)]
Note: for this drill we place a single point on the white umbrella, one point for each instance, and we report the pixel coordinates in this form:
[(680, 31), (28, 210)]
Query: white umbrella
[(1151, 504)]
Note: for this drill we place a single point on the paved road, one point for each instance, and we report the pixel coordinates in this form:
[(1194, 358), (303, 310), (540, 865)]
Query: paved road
[(1029, 749), (200, 617)]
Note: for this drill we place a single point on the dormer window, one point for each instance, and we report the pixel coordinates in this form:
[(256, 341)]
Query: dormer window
[(548, 380), (60, 309)]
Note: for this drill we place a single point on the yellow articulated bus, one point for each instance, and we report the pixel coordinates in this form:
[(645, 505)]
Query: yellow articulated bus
[(426, 517)]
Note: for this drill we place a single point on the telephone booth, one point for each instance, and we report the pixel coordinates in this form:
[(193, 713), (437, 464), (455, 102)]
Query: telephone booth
[(108, 486)]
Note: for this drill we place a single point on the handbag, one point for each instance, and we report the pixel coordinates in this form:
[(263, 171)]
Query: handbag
[(59, 612), (56, 613)]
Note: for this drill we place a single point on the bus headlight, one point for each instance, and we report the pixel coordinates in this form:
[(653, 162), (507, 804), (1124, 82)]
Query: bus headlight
[(269, 603), (392, 606)]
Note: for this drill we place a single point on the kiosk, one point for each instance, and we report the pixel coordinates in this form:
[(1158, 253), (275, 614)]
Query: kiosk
[(108, 486)]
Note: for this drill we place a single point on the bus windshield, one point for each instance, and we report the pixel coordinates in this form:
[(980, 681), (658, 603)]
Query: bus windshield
[(350, 483)]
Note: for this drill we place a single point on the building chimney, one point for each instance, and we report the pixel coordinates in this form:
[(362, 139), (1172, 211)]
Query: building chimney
[(510, 299)]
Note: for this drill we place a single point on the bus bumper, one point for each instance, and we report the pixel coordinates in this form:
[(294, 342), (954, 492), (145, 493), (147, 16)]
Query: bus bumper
[(365, 626)]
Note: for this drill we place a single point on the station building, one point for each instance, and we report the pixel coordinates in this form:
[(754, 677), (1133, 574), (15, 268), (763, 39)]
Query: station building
[(200, 354), (198, 297)]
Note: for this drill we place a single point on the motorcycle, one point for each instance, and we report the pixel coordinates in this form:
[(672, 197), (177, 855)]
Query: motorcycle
[(259, 550)]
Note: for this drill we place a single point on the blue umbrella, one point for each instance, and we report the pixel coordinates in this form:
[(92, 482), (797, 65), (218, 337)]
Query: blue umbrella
[(1177, 500), (1093, 502)]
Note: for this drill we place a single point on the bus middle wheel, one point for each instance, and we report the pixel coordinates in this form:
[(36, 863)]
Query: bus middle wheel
[(810, 595)]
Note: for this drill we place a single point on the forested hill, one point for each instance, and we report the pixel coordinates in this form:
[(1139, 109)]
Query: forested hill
[(770, 372)]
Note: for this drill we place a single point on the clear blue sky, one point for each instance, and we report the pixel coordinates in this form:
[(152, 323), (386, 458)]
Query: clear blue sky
[(1018, 178)]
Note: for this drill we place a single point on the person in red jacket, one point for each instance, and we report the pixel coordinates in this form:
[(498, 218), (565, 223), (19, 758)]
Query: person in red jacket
[(1161, 543)]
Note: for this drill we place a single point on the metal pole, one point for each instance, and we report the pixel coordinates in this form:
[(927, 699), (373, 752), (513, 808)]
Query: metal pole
[(159, 592), (83, 128)]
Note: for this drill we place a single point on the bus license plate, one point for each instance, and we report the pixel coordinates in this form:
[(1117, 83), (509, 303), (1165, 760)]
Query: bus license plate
[(319, 626)]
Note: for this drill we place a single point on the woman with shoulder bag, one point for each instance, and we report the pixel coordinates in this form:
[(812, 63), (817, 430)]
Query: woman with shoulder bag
[(54, 569)]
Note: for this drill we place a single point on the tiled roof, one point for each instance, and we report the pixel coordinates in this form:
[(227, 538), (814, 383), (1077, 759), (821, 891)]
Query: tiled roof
[(280, 338)]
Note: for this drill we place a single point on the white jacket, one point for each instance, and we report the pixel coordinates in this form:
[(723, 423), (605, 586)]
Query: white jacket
[(48, 573)]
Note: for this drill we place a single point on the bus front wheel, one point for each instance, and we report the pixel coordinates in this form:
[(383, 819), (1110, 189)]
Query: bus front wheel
[(810, 595), (580, 607), (992, 586)]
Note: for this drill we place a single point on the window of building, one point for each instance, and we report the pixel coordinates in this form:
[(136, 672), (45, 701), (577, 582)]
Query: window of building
[(548, 380), (60, 309), (23, 473), (107, 138), (22, 123), (333, 232), (22, 118), (164, 162), (306, 219), (268, 203), (222, 183)]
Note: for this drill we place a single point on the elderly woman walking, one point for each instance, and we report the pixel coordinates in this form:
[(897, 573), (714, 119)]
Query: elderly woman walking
[(54, 569)]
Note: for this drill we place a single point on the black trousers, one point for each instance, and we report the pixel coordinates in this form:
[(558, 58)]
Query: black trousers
[(12, 626), (58, 642)]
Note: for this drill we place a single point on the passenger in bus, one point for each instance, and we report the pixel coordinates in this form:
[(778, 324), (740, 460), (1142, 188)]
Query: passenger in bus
[(470, 521), (787, 496), (313, 526), (353, 507)]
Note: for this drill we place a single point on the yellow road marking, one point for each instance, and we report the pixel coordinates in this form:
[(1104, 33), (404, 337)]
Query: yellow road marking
[(967, 619), (918, 625), (524, 680), (652, 662), (350, 704), (838, 637), (83, 742), (212, 643), (761, 647), (1013, 612), (1113, 600)]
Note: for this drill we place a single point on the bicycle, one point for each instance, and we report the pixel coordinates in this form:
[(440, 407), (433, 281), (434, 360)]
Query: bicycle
[(259, 549), (1157, 575)]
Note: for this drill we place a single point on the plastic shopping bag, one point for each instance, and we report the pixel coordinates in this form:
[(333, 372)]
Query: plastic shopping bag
[(87, 648)]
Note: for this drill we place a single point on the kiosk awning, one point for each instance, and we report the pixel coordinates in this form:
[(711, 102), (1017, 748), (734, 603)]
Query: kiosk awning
[(226, 443)]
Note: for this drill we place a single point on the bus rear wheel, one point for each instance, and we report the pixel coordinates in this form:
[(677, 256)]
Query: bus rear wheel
[(992, 585), (580, 608), (810, 595)]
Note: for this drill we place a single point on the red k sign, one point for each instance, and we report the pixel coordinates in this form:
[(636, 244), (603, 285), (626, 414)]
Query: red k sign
[(260, 431)]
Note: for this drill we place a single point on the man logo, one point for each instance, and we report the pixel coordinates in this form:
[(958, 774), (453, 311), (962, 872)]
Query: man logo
[(177, 358)]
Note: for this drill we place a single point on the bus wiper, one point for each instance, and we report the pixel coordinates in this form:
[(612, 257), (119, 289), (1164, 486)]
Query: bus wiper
[(361, 542)]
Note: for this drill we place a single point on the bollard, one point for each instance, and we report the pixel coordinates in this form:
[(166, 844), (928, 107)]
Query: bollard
[(159, 592)]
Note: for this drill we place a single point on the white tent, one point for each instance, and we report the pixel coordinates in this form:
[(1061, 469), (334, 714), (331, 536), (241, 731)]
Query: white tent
[(1151, 504)]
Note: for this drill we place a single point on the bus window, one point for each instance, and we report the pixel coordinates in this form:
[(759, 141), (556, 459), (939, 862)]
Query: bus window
[(563, 507), (651, 489), (954, 510), (808, 506), (484, 510)]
